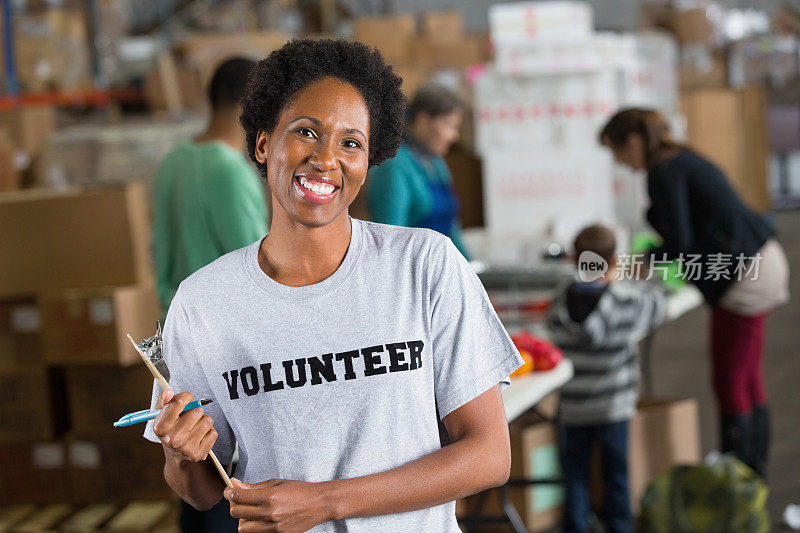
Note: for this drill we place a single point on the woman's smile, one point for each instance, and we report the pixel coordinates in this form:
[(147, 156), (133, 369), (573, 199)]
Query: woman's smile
[(316, 189)]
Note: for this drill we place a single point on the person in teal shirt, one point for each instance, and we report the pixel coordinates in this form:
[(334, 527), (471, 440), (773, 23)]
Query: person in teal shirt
[(415, 188), (208, 197)]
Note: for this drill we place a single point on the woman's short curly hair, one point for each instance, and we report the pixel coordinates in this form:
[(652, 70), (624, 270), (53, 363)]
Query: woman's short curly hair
[(275, 80)]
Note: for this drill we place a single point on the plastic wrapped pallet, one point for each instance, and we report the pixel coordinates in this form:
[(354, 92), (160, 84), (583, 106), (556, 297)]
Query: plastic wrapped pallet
[(522, 23), (525, 192), (112, 154), (525, 112)]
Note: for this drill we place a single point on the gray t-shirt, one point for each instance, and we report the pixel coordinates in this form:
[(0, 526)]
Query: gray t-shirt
[(342, 378)]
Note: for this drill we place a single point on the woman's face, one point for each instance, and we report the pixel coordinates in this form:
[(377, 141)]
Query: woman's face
[(438, 133), (318, 154), (630, 153)]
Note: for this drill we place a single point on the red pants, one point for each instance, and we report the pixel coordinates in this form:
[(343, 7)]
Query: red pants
[(737, 356)]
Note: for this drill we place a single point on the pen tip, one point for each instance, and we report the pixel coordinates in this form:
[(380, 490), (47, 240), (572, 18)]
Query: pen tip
[(206, 401)]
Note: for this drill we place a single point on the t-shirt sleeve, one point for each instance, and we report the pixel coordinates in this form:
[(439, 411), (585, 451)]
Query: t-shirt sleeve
[(472, 351), (186, 374)]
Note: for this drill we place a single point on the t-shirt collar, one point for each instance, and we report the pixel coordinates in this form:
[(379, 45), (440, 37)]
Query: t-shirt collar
[(308, 291)]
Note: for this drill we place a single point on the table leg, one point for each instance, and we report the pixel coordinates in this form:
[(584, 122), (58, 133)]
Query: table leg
[(647, 374), (511, 512)]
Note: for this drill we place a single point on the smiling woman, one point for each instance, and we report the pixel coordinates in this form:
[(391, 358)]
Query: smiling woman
[(332, 345)]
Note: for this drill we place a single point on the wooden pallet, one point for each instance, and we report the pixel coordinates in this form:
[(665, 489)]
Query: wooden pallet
[(133, 517)]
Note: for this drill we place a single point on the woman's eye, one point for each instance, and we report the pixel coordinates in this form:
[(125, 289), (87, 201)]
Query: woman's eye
[(350, 143), (305, 132)]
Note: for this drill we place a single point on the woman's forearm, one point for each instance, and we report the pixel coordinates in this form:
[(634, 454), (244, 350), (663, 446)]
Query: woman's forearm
[(457, 470), (197, 483)]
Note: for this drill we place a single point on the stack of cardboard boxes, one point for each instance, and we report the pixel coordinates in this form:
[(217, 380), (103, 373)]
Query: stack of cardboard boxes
[(107, 154), (76, 277), (23, 131), (51, 48), (179, 78), (539, 108), (440, 43), (723, 92)]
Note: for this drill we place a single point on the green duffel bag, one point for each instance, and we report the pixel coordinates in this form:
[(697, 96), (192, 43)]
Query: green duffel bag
[(725, 497)]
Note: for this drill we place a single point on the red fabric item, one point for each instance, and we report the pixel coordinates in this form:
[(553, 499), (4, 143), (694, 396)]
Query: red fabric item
[(545, 355), (737, 359)]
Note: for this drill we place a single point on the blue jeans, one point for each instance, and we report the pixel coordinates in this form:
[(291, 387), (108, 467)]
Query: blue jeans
[(577, 445)]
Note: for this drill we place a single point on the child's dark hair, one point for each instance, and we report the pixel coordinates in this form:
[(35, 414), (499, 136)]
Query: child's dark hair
[(598, 239)]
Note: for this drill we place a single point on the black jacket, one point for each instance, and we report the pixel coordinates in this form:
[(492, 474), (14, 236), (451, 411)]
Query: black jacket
[(696, 211)]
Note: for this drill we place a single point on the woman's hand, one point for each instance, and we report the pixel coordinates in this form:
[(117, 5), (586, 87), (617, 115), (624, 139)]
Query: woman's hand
[(278, 505), (186, 436)]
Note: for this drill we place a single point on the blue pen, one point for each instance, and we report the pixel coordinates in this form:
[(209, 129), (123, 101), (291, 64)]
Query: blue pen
[(147, 414)]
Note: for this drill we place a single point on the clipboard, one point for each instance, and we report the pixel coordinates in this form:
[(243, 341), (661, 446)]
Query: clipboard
[(165, 385)]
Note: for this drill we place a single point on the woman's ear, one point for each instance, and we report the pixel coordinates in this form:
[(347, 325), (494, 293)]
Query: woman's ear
[(262, 141)]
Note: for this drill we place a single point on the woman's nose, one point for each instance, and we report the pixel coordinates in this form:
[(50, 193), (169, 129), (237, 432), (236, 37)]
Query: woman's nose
[(323, 158)]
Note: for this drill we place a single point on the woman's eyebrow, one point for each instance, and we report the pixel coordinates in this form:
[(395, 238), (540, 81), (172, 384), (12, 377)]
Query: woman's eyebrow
[(351, 131), (313, 120)]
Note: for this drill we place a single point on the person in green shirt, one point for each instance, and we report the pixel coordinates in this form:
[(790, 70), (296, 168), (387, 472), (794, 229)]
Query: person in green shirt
[(208, 197), (415, 188), (208, 201)]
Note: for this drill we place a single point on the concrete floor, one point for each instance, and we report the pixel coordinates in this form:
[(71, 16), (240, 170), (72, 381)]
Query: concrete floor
[(680, 369)]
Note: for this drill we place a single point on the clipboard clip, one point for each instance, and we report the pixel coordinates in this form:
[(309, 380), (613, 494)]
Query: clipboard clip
[(151, 347)]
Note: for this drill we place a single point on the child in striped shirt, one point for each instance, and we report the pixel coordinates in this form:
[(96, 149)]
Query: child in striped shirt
[(597, 322)]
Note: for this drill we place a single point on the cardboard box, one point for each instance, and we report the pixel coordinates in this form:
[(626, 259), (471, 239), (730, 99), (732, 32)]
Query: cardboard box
[(52, 49), (664, 433), (32, 404), (206, 51), (429, 55), (445, 26), (33, 472), (90, 325), (29, 125), (9, 175), (20, 333), (389, 34), (193, 93), (703, 67), (656, 15), (55, 240), (692, 26), (468, 183), (534, 454), (123, 390), (115, 468), (162, 87), (413, 79), (729, 127)]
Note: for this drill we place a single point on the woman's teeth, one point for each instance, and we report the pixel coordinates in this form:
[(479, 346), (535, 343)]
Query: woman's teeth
[(319, 188)]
